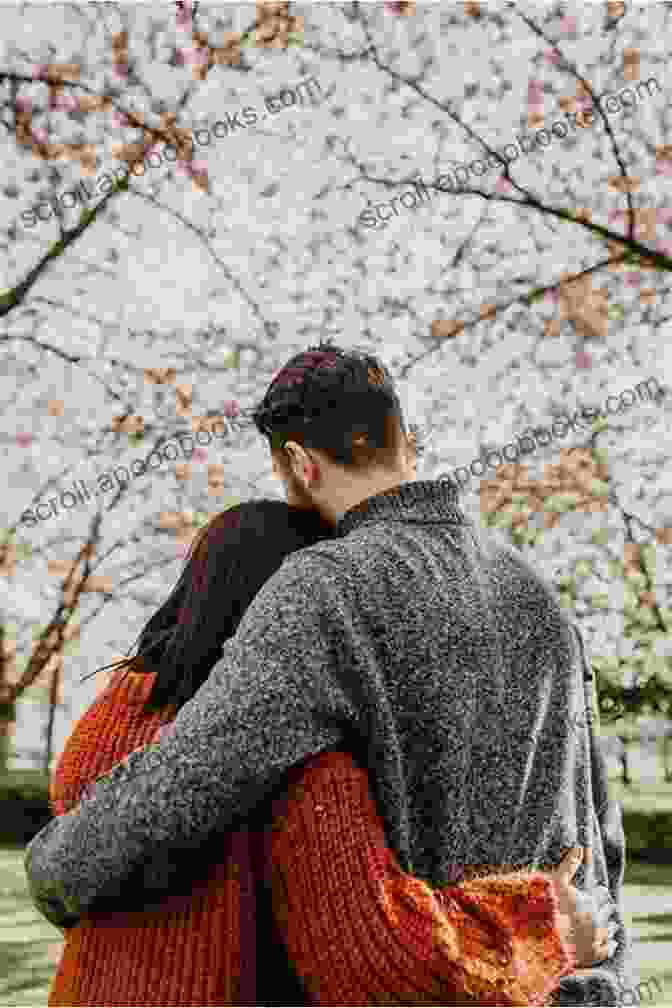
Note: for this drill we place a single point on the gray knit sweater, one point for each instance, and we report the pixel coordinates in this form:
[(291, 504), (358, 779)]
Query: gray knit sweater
[(429, 648)]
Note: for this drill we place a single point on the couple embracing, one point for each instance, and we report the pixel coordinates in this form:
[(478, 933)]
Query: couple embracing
[(352, 761)]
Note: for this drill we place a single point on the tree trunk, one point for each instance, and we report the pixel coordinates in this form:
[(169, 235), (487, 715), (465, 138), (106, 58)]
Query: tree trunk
[(667, 740), (6, 727), (623, 760), (53, 703)]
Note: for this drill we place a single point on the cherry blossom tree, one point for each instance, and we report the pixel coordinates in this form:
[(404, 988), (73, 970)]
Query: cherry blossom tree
[(538, 282)]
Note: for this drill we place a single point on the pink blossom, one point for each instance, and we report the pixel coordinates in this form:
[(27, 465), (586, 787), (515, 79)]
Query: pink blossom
[(552, 295), (67, 102), (120, 69), (192, 169), (535, 89), (40, 135), (616, 215), (503, 186), (40, 71), (569, 25), (119, 118), (200, 455), (182, 550), (193, 56), (24, 439), (633, 278), (552, 56), (665, 215), (197, 168), (24, 104), (583, 360), (184, 14), (231, 408), (393, 8), (200, 57), (663, 167), (664, 247)]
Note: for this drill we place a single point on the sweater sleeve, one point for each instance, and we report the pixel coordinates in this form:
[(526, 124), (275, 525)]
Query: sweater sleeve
[(607, 983), (361, 931), (273, 699)]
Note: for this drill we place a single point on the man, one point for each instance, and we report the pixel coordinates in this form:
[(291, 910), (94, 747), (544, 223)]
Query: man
[(427, 648)]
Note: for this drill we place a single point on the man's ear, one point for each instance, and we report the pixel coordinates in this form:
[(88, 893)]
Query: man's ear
[(300, 463)]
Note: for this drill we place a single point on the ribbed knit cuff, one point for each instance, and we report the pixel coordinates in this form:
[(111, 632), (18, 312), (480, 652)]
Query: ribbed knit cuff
[(528, 904)]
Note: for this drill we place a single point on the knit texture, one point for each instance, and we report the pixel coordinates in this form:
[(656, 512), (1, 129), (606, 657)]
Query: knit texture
[(357, 928), (361, 931), (188, 950), (428, 648)]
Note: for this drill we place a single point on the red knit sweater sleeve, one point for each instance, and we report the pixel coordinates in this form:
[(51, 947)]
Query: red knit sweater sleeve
[(114, 725), (361, 931), (186, 949)]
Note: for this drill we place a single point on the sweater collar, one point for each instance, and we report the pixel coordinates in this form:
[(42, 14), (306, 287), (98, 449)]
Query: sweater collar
[(420, 501)]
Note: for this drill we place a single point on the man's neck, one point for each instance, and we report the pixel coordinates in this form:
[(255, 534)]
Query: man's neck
[(334, 509)]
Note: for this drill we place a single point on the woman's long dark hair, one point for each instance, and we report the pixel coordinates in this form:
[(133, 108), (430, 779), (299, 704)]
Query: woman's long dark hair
[(229, 561)]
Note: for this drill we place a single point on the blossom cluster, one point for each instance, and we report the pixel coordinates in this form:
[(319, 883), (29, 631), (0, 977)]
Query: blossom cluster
[(526, 443), (457, 177)]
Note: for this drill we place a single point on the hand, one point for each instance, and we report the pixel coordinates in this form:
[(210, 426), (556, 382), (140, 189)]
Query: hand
[(584, 917)]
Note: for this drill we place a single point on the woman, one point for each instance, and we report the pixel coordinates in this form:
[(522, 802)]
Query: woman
[(320, 888)]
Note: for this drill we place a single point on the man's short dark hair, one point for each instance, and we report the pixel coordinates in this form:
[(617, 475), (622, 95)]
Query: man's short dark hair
[(340, 402)]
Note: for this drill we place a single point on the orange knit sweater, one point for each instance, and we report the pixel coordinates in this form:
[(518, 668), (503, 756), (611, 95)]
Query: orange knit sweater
[(358, 930)]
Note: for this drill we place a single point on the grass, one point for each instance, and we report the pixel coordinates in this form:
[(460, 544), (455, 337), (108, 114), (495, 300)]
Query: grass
[(642, 799), (30, 947)]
